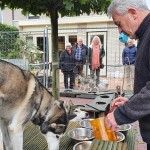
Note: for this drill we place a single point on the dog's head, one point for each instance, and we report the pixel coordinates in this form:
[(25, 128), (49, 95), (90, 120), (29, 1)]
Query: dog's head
[(119, 92), (56, 119), (92, 83), (57, 116), (74, 112)]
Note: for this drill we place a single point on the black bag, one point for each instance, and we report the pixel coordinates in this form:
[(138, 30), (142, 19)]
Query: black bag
[(101, 65)]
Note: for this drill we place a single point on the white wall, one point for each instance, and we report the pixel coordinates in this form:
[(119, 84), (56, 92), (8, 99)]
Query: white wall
[(148, 2)]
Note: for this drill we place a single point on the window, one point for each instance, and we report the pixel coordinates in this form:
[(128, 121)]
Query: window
[(29, 41), (40, 43), (73, 39), (61, 44), (30, 16)]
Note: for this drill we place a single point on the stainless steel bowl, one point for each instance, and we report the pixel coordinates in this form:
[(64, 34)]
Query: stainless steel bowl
[(124, 127), (81, 134), (85, 123), (120, 136), (85, 145)]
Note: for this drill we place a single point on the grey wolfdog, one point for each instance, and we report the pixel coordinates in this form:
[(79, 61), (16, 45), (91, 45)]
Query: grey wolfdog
[(22, 99)]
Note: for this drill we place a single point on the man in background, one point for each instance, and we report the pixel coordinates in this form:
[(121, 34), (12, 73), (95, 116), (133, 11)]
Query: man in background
[(80, 51), (128, 60)]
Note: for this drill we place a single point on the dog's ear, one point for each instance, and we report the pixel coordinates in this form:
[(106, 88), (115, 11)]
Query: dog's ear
[(123, 94), (70, 102), (66, 104), (71, 116), (59, 103)]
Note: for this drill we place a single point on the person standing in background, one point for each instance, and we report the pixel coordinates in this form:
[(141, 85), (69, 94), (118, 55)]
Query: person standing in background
[(96, 54), (129, 60), (67, 64), (80, 51)]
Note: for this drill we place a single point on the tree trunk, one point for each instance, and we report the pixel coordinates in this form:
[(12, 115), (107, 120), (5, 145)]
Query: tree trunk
[(55, 55)]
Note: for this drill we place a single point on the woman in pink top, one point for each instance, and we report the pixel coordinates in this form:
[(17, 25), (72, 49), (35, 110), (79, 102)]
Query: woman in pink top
[(96, 54)]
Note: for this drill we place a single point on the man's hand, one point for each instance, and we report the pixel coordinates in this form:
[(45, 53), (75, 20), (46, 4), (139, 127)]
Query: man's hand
[(119, 101), (110, 119), (111, 122)]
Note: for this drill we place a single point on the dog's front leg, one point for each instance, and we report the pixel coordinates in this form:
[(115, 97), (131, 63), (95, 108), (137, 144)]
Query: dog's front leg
[(52, 141), (5, 136), (16, 137), (1, 141)]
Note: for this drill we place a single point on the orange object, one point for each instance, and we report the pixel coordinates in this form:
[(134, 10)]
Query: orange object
[(101, 132)]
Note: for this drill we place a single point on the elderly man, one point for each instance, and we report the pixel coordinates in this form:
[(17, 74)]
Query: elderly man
[(128, 60), (80, 51), (133, 18)]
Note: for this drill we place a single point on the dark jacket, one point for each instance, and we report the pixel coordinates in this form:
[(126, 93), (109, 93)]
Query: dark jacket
[(67, 61), (84, 52), (129, 55), (90, 54), (138, 106)]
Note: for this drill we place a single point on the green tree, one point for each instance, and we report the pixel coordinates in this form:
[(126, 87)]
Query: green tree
[(22, 49), (54, 8), (13, 46), (8, 36)]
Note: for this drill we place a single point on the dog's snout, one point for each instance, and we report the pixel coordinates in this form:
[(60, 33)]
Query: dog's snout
[(44, 128)]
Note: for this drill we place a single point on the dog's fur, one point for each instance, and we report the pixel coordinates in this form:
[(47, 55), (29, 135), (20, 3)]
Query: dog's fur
[(74, 114), (22, 99)]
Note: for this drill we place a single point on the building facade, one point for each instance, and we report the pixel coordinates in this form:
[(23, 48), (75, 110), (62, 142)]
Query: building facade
[(69, 29)]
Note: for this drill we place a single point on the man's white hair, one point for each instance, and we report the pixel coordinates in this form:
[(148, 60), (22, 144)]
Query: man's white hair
[(121, 6), (80, 39)]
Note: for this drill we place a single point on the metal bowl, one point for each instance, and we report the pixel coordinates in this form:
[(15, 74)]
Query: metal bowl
[(85, 123), (124, 127), (120, 136), (85, 145), (81, 134)]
